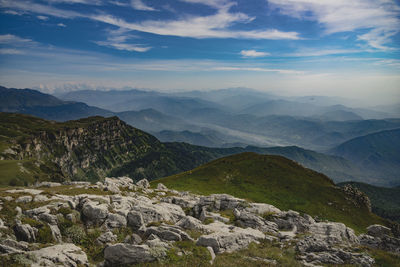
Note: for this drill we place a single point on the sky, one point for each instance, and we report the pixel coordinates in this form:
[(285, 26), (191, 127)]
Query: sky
[(288, 47)]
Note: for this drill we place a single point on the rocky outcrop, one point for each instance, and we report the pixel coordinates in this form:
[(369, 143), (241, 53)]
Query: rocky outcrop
[(136, 224), (358, 198), (64, 254), (124, 254)]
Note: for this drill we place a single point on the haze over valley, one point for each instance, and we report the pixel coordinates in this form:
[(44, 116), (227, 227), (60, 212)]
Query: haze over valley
[(199, 133)]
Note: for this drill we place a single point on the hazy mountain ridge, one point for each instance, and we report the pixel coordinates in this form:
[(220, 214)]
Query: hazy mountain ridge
[(378, 153)]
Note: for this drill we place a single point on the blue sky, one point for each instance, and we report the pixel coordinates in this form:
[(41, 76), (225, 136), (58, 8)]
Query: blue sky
[(291, 47)]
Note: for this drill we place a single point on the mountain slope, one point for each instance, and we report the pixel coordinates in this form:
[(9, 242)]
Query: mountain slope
[(27, 101), (384, 201), (277, 181), (33, 149), (378, 153)]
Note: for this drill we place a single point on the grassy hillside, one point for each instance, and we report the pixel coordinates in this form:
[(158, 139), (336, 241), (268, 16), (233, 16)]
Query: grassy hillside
[(384, 201), (277, 181)]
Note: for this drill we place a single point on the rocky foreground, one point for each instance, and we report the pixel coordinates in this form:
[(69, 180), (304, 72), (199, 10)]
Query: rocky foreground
[(118, 223)]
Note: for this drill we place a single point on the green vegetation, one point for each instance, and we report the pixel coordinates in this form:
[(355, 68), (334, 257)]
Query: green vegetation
[(384, 201), (89, 149), (274, 180)]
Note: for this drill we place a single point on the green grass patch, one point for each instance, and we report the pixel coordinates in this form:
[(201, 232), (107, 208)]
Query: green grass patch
[(274, 180)]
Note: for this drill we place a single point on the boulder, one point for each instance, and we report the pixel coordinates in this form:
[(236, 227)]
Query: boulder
[(94, 213), (24, 199), (228, 238), (56, 233), (289, 220), (144, 213), (377, 230), (262, 209), (115, 221), (125, 254), (161, 187), (25, 232), (167, 233), (248, 219), (333, 233), (107, 237), (386, 242), (144, 183), (133, 239), (63, 254), (49, 218), (190, 223)]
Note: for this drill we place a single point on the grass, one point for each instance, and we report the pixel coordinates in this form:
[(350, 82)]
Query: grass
[(274, 180)]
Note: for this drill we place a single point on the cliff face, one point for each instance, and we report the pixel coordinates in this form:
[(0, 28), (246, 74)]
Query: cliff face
[(33, 149), (85, 149)]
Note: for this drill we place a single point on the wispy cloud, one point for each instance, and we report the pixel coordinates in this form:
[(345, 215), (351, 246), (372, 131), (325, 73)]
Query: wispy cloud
[(140, 5), (380, 17), (282, 71), (211, 26), (322, 52), (253, 53), (119, 39), (10, 51), (42, 18), (61, 25), (86, 2), (14, 40)]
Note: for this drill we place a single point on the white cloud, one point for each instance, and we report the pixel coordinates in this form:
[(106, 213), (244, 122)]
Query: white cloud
[(61, 25), (118, 39), (281, 71), (31, 7), (380, 17), (211, 26), (10, 51), (140, 5), (42, 18), (322, 52), (86, 2), (213, 3), (253, 53), (14, 40)]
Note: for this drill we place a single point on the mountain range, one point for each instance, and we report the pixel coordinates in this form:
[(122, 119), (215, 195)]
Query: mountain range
[(207, 123)]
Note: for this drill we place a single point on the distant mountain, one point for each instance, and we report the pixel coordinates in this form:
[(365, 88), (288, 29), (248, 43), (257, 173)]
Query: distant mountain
[(277, 181), (384, 201), (118, 101), (27, 101), (12, 100), (152, 120), (339, 115), (378, 153)]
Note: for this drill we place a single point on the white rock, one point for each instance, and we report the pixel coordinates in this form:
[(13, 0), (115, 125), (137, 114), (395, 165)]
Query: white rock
[(144, 183), (26, 190), (124, 254), (24, 199), (63, 254), (161, 187)]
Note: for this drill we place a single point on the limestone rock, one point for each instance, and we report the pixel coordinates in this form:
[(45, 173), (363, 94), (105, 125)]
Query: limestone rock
[(144, 183), (25, 232), (161, 187), (94, 213), (377, 230), (24, 199), (107, 237), (124, 254), (248, 219), (63, 254), (115, 221), (228, 238)]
